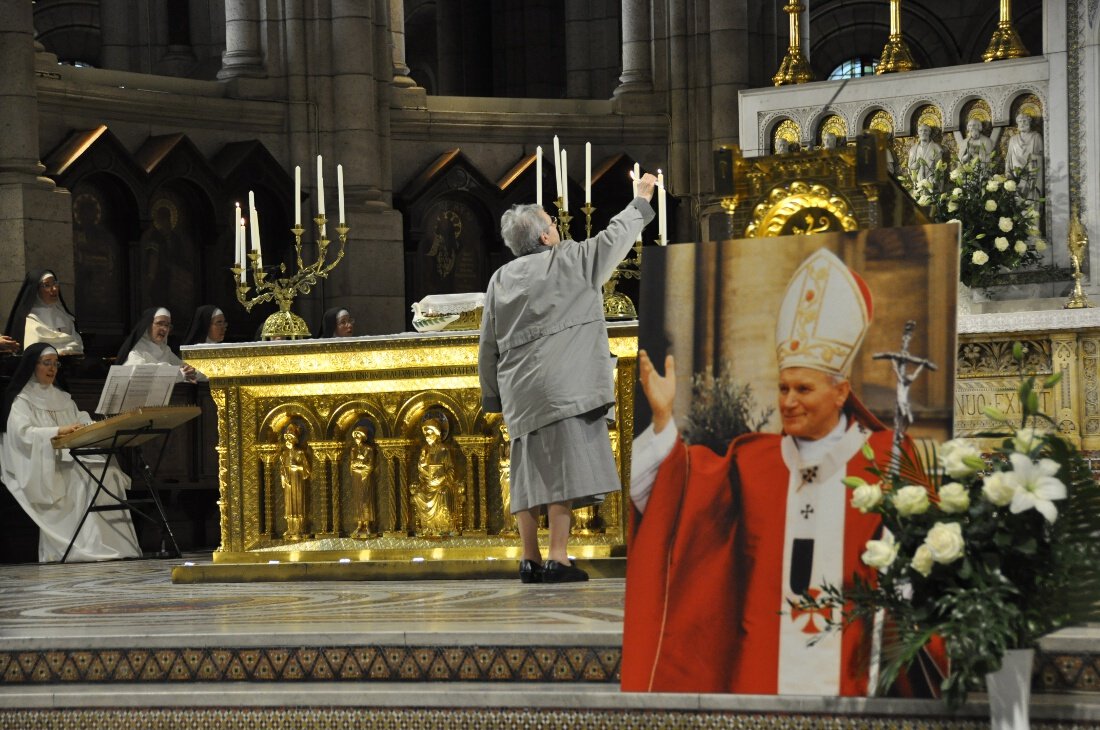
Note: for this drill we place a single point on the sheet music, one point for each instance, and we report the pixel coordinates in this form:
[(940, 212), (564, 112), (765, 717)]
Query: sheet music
[(136, 386)]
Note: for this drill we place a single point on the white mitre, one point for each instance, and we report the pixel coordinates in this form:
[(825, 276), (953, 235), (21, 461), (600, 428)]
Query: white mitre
[(824, 316)]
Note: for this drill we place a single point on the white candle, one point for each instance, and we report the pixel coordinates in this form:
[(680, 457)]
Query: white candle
[(340, 191), (320, 193), (588, 173), (557, 165), (298, 195), (241, 250), (637, 177), (564, 182), (237, 233), (254, 223), (662, 221), (538, 176)]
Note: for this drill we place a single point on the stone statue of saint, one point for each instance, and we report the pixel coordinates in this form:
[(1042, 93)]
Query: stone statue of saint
[(436, 493), (828, 141), (976, 145), (923, 156), (508, 524), (295, 469), (361, 454), (1024, 158), (782, 146)]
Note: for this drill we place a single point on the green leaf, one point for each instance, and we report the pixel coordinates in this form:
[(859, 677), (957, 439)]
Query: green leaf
[(1053, 380), (1018, 351), (995, 413), (853, 482)]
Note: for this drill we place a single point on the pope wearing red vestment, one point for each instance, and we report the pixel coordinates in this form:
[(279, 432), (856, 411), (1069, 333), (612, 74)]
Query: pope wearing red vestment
[(723, 544)]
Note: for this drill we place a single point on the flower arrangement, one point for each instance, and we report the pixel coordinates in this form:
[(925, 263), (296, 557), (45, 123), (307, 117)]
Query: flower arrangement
[(1000, 229), (989, 553)]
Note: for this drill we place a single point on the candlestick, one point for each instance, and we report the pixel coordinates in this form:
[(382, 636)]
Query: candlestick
[(538, 176), (557, 165), (563, 220), (587, 173), (588, 210), (297, 195), (635, 178), (565, 179), (238, 255), (340, 191), (242, 250), (321, 193), (662, 221)]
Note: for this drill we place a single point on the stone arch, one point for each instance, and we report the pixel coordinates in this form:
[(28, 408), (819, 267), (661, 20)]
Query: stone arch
[(414, 408), (279, 417)]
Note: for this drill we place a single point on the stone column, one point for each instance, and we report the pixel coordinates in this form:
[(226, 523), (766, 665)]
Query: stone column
[(113, 26), (35, 216), (637, 74), (401, 76), (242, 56), (578, 42)]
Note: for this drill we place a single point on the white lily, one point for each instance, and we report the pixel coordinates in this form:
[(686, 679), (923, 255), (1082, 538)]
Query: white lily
[(1036, 486)]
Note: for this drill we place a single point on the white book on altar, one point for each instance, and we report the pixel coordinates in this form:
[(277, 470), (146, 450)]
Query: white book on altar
[(137, 386)]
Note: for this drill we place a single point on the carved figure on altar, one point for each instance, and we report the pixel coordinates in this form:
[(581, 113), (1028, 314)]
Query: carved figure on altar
[(436, 492), (1024, 158), (828, 141), (924, 155), (508, 524), (295, 470), (361, 458), (976, 145), (782, 146)]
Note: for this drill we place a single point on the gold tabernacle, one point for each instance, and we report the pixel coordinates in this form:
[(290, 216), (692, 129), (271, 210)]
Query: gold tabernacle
[(376, 448)]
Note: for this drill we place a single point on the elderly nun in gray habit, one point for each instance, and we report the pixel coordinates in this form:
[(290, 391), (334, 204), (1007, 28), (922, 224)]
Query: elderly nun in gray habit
[(544, 362)]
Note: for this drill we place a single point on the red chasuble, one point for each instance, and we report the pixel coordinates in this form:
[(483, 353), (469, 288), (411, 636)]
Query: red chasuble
[(706, 571)]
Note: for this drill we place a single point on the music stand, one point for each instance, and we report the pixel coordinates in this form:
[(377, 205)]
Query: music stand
[(108, 438)]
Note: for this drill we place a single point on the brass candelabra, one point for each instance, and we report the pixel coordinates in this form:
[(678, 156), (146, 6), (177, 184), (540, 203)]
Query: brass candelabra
[(617, 305), (285, 324), (588, 210), (1005, 42)]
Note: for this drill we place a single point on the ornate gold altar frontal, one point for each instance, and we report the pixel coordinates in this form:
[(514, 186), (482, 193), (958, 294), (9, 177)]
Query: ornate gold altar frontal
[(376, 448)]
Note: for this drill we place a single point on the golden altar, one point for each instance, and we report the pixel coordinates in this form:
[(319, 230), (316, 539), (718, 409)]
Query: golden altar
[(377, 448)]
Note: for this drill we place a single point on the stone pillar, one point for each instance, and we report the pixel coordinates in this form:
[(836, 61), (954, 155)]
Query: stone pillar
[(401, 76), (578, 42), (448, 24), (35, 216), (114, 20), (362, 64), (242, 56), (637, 74)]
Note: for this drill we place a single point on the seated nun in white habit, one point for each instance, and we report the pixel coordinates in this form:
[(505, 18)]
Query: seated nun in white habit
[(52, 488), (41, 315), (147, 343)]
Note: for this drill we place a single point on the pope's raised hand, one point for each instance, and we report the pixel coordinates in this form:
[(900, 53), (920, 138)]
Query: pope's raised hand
[(660, 390)]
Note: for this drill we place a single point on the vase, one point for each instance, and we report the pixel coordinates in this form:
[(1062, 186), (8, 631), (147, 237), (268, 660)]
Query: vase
[(1009, 690)]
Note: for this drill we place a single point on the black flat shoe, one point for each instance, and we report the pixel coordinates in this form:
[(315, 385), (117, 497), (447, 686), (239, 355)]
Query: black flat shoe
[(530, 572), (555, 572)]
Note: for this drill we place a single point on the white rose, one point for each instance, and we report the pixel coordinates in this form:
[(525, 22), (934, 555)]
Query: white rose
[(1005, 224), (979, 257), (922, 560), (945, 542), (954, 498), (992, 186), (997, 489), (1021, 247), (952, 206), (1040, 245), (1001, 243), (880, 554), (911, 500), (955, 221), (1010, 186), (924, 200), (957, 193), (991, 205), (866, 497), (1026, 439), (959, 459), (954, 174)]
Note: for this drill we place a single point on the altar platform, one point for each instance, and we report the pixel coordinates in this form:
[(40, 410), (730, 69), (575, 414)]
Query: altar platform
[(118, 645)]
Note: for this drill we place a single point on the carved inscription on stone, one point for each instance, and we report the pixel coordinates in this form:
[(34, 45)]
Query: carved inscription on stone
[(972, 397)]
